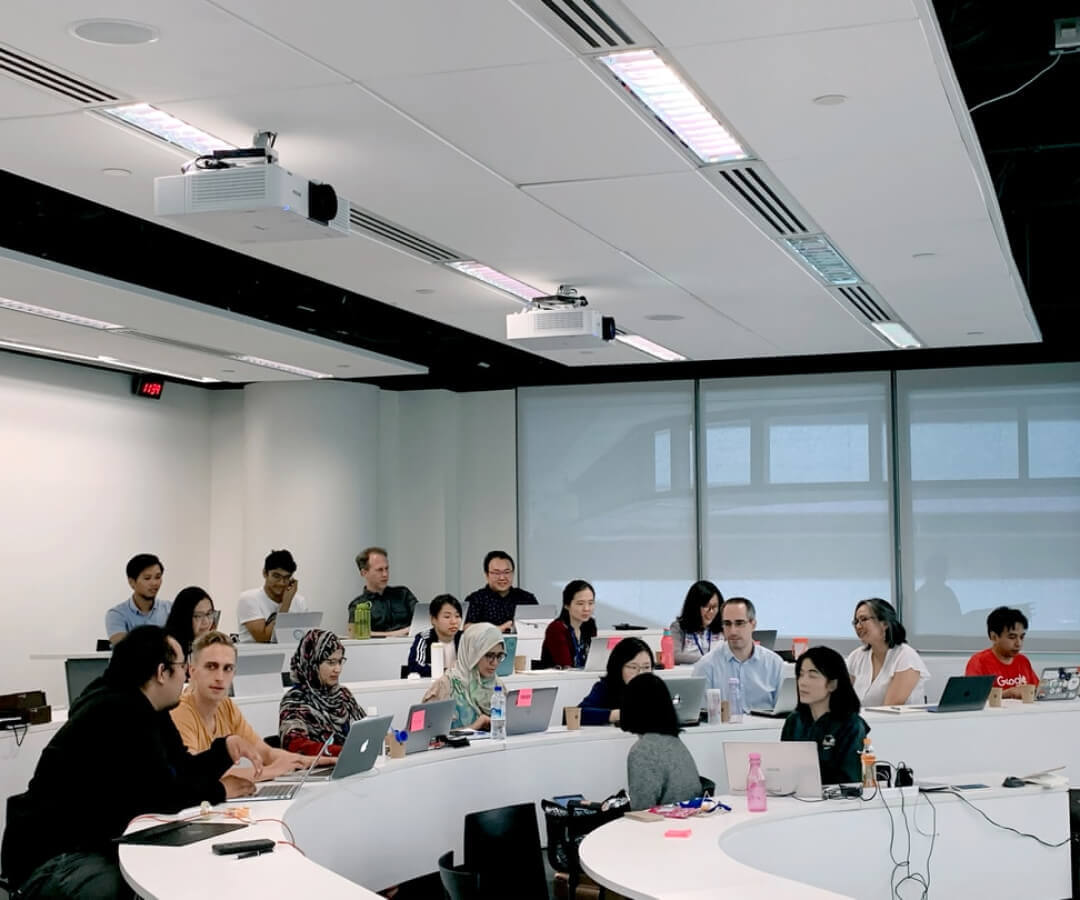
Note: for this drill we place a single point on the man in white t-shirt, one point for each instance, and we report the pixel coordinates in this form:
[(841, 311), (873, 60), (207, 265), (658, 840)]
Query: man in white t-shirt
[(258, 608)]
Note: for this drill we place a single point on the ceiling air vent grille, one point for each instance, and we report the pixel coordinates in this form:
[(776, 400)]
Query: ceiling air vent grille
[(400, 238), (757, 193), (243, 183), (560, 320), (37, 74), (172, 342), (865, 304), (591, 26)]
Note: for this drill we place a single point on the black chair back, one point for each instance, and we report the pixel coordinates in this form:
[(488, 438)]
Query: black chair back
[(457, 883), (502, 846)]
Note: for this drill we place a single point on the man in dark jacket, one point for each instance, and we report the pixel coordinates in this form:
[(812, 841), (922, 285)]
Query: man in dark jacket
[(117, 756)]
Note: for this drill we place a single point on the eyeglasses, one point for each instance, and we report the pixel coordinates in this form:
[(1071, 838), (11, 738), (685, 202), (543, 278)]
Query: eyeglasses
[(336, 662), (495, 657), (212, 615), (859, 620), (501, 573), (638, 669), (738, 623)]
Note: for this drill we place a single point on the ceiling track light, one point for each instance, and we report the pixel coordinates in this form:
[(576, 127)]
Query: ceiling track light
[(58, 315), (279, 366)]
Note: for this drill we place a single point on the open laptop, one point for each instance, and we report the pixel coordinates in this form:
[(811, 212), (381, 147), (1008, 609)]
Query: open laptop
[(358, 754), (766, 637), (426, 721), (534, 616), (1059, 683), (601, 646), (284, 790), (963, 693), (506, 667), (257, 674), (787, 697), (688, 698), (528, 710), (790, 767), (290, 627), (80, 672)]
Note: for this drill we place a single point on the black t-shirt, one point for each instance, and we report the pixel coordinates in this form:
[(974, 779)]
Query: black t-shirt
[(839, 740)]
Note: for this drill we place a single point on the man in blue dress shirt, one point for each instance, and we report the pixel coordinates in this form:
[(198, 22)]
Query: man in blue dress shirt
[(758, 669), (144, 571)]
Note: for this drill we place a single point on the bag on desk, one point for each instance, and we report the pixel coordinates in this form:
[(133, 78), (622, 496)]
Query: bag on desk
[(567, 826)]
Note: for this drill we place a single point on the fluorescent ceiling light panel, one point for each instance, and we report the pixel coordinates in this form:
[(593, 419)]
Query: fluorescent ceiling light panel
[(168, 128), (821, 256), (662, 90), (108, 360), (280, 367), (897, 335), (497, 279), (650, 347), (58, 315)]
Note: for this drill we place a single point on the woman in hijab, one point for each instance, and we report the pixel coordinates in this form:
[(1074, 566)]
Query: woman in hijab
[(317, 706), (471, 681)]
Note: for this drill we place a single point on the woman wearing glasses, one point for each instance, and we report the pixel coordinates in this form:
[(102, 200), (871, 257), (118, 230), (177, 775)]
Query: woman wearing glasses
[(630, 658), (698, 628), (317, 706), (192, 615), (471, 681), (886, 670)]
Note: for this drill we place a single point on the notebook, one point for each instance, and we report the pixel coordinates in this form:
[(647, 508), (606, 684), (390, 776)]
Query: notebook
[(787, 697), (283, 790), (179, 833), (1059, 683), (426, 721), (528, 710), (688, 698)]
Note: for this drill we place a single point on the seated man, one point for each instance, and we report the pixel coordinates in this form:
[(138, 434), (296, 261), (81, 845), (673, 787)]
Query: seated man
[(1003, 659), (497, 602), (391, 605), (117, 756), (206, 712), (258, 608), (759, 670), (144, 571)]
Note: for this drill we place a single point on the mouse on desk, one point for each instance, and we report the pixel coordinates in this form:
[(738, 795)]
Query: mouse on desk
[(1012, 781)]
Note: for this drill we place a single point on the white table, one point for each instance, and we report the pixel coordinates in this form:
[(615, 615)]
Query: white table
[(840, 848)]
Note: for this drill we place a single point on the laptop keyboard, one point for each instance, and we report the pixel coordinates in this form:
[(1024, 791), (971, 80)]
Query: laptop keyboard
[(275, 790)]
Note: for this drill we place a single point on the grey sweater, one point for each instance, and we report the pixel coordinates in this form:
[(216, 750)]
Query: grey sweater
[(659, 769)]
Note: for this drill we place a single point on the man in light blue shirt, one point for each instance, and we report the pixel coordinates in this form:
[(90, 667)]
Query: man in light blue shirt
[(144, 571), (758, 669)]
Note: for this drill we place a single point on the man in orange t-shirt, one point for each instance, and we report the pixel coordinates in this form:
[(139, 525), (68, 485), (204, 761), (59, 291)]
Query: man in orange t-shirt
[(1003, 659)]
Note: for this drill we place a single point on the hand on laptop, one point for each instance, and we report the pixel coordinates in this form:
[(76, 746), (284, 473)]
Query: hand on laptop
[(240, 749), (282, 763), (235, 786)]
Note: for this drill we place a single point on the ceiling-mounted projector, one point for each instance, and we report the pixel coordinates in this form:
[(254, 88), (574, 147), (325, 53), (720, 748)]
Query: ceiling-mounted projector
[(245, 197), (560, 322)]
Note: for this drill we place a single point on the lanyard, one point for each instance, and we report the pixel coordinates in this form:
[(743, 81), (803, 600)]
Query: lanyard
[(708, 646), (579, 649)]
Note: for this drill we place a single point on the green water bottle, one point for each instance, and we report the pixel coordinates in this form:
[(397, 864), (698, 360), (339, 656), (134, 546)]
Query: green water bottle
[(362, 621)]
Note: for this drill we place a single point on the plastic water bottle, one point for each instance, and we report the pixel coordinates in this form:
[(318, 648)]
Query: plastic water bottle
[(755, 785), (869, 764), (667, 650), (437, 651), (498, 714), (735, 707)]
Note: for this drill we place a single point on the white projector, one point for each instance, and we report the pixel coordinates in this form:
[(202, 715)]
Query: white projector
[(556, 329), (252, 204)]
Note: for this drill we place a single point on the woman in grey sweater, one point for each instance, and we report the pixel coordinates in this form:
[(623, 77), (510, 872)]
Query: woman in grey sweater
[(659, 768)]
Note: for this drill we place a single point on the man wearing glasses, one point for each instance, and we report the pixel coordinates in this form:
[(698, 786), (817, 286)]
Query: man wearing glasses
[(496, 602), (760, 671), (258, 608)]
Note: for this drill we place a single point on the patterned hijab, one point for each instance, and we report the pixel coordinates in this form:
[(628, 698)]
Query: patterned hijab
[(310, 707), (466, 685)]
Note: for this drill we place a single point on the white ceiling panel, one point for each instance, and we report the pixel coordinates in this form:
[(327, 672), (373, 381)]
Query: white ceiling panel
[(766, 88), (372, 38), (202, 51), (541, 122), (708, 21), (19, 99)]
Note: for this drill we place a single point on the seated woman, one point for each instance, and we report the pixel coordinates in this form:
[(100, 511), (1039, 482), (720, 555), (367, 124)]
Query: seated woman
[(317, 706), (886, 670), (629, 658), (567, 639), (698, 628), (828, 714), (445, 612), (192, 615), (659, 768), (471, 681)]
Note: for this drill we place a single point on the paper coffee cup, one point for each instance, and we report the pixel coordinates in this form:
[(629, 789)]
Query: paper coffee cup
[(1027, 692), (573, 717), (521, 663), (725, 711), (995, 696)]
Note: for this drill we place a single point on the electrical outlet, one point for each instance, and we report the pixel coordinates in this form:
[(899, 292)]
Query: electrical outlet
[(1066, 33)]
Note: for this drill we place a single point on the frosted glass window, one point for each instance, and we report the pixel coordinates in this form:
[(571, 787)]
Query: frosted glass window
[(605, 493), (796, 516), (981, 523)]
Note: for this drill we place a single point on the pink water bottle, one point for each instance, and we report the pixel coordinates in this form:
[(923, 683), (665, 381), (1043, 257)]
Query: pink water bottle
[(755, 785), (667, 650)]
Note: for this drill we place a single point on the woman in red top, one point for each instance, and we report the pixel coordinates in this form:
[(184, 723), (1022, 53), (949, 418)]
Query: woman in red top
[(566, 641)]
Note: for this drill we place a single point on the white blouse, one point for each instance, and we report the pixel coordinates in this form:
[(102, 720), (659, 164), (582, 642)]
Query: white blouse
[(900, 658)]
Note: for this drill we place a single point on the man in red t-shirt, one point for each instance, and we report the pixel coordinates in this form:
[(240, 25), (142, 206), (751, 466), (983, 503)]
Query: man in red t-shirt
[(1003, 659)]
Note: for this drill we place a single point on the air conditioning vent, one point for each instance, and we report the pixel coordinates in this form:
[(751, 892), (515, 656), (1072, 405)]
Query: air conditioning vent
[(400, 238), (754, 190), (866, 303), (30, 71), (592, 26), (172, 342)]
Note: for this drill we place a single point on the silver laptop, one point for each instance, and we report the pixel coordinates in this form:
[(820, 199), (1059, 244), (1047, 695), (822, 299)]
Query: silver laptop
[(601, 646), (787, 698), (1059, 683), (257, 674), (791, 767), (283, 790), (290, 627), (528, 710), (538, 615), (362, 747), (688, 698), (427, 720)]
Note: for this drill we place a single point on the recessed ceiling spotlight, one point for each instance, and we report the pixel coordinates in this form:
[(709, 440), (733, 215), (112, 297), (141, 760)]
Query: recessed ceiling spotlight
[(344, 366), (973, 333), (228, 371), (664, 317), (114, 32), (116, 173), (925, 254), (830, 99), (425, 290)]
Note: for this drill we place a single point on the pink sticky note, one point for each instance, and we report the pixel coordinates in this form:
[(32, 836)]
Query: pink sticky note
[(524, 697), (612, 641), (416, 721), (677, 833)]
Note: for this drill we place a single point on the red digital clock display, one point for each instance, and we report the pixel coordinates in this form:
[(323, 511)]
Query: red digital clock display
[(147, 386)]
